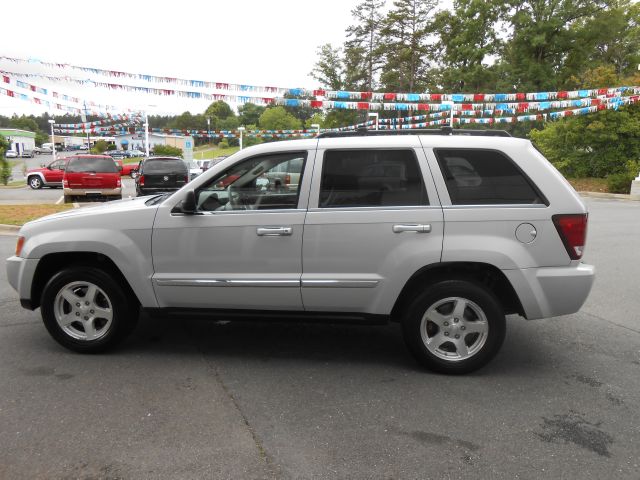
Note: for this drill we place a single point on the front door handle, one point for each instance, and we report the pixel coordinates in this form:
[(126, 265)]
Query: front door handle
[(274, 231), (414, 227)]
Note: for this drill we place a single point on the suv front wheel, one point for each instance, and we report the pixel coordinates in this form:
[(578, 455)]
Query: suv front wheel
[(455, 326), (85, 310)]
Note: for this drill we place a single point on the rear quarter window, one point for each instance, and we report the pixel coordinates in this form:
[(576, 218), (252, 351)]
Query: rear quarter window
[(485, 177)]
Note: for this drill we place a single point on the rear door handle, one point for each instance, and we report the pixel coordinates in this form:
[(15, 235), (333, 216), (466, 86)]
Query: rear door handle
[(274, 231), (413, 227)]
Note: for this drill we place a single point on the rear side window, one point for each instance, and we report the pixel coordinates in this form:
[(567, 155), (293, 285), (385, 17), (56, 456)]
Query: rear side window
[(92, 164), (371, 178), (485, 177)]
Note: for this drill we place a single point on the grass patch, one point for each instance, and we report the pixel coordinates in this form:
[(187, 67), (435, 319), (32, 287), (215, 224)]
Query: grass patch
[(589, 184), (214, 153), (21, 214), (14, 184)]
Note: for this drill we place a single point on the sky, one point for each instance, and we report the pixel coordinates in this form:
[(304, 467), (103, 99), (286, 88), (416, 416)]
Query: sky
[(264, 43)]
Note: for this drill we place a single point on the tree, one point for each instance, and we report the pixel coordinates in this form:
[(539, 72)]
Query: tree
[(404, 36), (594, 145), (362, 58), (328, 70), (468, 40), (100, 146), (543, 31), (167, 150), (5, 166), (249, 113), (220, 110), (277, 118)]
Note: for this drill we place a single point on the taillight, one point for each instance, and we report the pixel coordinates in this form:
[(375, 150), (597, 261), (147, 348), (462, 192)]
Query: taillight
[(118, 182), (141, 179), (572, 229), (287, 179)]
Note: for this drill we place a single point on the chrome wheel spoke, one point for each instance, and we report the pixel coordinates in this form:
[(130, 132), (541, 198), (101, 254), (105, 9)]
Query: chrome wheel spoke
[(436, 317), (70, 297), (461, 348), (459, 308), (435, 341), (90, 329), (478, 326), (90, 296), (105, 313), (68, 319)]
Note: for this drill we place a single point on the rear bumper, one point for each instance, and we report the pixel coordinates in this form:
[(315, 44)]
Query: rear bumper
[(552, 291), (97, 192)]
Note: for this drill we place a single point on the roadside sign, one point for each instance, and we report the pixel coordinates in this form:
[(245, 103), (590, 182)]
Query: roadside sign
[(187, 151)]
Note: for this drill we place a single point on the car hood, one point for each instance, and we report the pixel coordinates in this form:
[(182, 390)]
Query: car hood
[(105, 210)]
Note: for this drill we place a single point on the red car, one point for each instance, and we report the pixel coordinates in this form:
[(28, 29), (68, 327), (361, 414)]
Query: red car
[(92, 176), (126, 168), (49, 176)]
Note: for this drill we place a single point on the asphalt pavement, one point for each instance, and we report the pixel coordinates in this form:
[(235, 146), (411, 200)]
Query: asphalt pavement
[(200, 399)]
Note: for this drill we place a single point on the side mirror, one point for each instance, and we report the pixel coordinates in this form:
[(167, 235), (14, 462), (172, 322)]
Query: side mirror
[(188, 205)]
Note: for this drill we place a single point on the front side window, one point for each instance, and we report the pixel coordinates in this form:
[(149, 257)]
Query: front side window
[(259, 183), (485, 177), (371, 178)]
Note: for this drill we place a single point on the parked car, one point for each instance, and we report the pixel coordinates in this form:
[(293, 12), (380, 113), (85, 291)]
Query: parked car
[(204, 164), (115, 154), (11, 154), (135, 153), (443, 231), (27, 154), (194, 169), (49, 176), (126, 169), (161, 174), (91, 177), (42, 150)]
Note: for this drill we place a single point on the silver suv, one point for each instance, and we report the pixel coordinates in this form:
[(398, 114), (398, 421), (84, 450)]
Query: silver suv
[(445, 232)]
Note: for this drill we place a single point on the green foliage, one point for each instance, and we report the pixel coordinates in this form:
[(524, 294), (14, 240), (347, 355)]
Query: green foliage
[(362, 56), (620, 182), (329, 69), (595, 145), (167, 150), (5, 170), (278, 118), (100, 146), (220, 110), (224, 144), (249, 113), (4, 146)]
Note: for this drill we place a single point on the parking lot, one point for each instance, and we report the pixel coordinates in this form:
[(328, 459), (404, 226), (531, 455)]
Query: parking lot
[(194, 399)]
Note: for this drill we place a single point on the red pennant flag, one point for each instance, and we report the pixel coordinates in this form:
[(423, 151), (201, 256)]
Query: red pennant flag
[(316, 104), (389, 96), (568, 113), (563, 94), (520, 97), (363, 106), (5, 79), (467, 106), (436, 97), (602, 91), (423, 106), (595, 101), (478, 97), (523, 106), (366, 95), (319, 93)]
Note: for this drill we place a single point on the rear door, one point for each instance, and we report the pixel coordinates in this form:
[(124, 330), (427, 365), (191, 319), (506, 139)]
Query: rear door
[(374, 219)]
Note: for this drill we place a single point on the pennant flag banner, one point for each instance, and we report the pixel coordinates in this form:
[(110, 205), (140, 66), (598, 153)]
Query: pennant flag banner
[(376, 97), (225, 86)]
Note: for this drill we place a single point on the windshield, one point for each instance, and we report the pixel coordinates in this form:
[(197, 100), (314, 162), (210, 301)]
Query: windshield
[(163, 166), (92, 164)]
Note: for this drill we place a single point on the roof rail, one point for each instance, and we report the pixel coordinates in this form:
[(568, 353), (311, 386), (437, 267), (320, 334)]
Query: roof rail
[(363, 132)]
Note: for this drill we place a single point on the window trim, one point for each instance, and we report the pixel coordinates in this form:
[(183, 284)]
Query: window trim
[(412, 150), (534, 187)]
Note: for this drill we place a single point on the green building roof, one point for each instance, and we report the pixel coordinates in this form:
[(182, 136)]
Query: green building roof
[(14, 132)]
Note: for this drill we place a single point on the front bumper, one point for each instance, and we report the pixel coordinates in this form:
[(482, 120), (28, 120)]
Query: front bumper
[(20, 272), (552, 291), (93, 192)]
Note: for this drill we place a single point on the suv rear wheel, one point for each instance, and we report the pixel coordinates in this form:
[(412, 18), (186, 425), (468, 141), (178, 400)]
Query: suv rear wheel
[(85, 310), (455, 326)]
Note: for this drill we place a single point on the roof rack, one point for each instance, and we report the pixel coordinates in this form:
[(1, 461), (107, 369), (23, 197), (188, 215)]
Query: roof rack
[(364, 132)]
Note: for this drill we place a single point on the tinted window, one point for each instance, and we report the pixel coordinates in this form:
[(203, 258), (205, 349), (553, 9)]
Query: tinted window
[(164, 166), (371, 178), (485, 177), (92, 164)]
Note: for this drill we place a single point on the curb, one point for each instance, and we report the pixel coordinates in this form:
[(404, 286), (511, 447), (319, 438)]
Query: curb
[(9, 229), (613, 196)]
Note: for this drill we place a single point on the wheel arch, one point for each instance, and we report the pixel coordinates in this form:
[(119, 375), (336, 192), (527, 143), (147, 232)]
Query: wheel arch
[(486, 274), (52, 263)]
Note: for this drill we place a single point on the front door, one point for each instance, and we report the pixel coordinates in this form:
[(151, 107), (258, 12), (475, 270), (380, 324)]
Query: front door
[(243, 247)]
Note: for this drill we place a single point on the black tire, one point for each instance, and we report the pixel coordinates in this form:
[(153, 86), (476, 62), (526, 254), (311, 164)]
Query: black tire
[(35, 182), (110, 297), (481, 328), (68, 199)]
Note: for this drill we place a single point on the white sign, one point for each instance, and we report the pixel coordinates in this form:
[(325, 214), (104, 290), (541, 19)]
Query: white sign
[(187, 151)]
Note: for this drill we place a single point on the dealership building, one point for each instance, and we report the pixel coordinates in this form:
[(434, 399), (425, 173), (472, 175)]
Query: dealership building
[(19, 140), (135, 141)]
